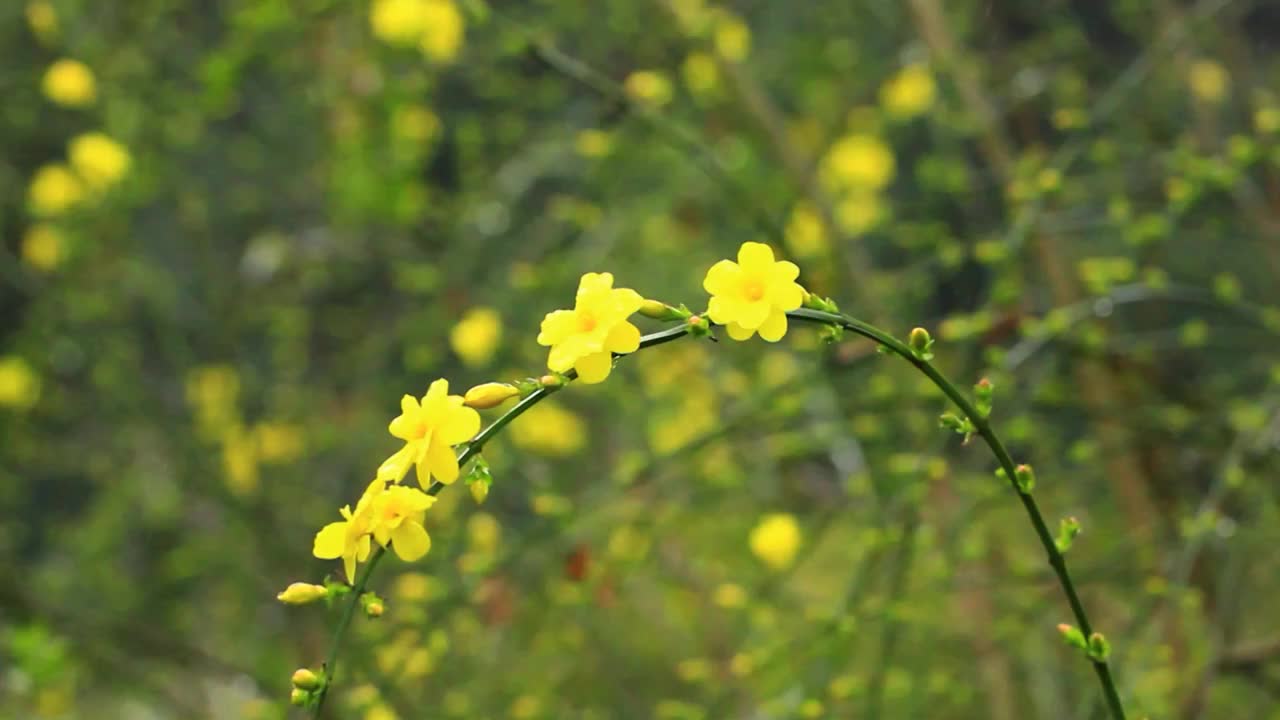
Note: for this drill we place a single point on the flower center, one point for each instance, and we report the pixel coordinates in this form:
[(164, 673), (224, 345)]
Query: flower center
[(753, 289), (419, 430), (586, 322)]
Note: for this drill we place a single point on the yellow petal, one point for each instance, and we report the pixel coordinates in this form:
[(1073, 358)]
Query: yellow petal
[(349, 566), (786, 296), (737, 332), (594, 368), (623, 338), (330, 541), (461, 424), (437, 392), (783, 272), (561, 357), (442, 462), (594, 282), (627, 300), (382, 533), (723, 309), (755, 257), (722, 278), (557, 326), (774, 326), (395, 467), (752, 314), (410, 541)]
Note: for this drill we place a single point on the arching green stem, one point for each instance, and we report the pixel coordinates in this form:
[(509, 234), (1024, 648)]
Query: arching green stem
[(1056, 560)]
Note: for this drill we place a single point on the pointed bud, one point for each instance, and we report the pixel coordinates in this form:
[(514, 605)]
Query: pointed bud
[(921, 344), (662, 311), (1072, 636), (1025, 478), (302, 593), (983, 394), (1068, 529), (1099, 649), (699, 326), (305, 679), (816, 302), (488, 395), (372, 604), (479, 479), (299, 697), (479, 491)]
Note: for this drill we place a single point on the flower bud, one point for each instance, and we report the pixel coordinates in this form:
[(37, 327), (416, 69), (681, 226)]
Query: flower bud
[(699, 326), (302, 593), (551, 380), (299, 697), (1099, 649), (1068, 529), (921, 343), (1072, 636), (479, 491), (662, 311), (1025, 478), (305, 679), (372, 604), (488, 395)]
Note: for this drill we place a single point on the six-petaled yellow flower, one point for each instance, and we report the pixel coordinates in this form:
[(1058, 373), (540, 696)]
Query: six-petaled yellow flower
[(754, 294), (586, 337), (349, 538), (397, 519), (430, 429)]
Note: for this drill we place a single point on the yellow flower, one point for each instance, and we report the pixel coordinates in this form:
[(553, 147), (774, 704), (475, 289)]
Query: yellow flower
[(349, 538), (858, 162), (592, 143), (754, 294), (43, 247), (489, 395), (476, 336), (430, 429), (99, 160), (910, 92), (443, 28), (585, 337), (775, 540), (19, 385), (805, 234), (732, 38), (54, 189), (398, 22), (701, 74), (397, 519), (858, 212), (648, 86), (549, 429), (70, 83), (278, 441)]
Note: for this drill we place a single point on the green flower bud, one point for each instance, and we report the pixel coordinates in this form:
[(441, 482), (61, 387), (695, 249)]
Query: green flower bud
[(921, 344)]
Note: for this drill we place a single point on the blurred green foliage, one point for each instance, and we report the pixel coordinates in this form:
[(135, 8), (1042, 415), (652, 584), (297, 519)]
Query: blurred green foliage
[(235, 233)]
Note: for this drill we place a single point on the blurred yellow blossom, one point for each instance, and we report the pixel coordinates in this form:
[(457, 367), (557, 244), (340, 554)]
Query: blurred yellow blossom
[(42, 19), (648, 86), (775, 540), (98, 160), (414, 123), (398, 22), (414, 587), (476, 336), (70, 83), (910, 92), (240, 461), (349, 538), (525, 707), (430, 429), (701, 74), (43, 247), (586, 337), (805, 235), (443, 31), (730, 595), (858, 162), (754, 294), (19, 384), (732, 37), (278, 442), (484, 532), (549, 429), (858, 212), (54, 189), (213, 390), (380, 711), (593, 143), (1208, 80), (1267, 119)]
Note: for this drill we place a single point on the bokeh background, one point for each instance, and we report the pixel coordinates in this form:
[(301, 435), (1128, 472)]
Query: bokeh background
[(235, 233)]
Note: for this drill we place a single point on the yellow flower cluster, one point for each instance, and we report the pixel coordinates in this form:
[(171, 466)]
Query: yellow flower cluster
[(435, 26)]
